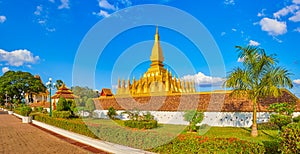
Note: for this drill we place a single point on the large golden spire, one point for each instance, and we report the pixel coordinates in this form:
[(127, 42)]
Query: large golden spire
[(156, 57)]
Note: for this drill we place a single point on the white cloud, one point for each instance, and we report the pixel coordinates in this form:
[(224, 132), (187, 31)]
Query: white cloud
[(38, 10), (261, 13), (296, 1), (64, 4), (297, 81), (105, 4), (240, 60), (102, 13), (285, 11), (297, 29), (203, 80), (229, 2), (296, 17), (18, 57), (50, 29), (223, 33), (273, 27), (233, 29), (5, 69), (2, 19), (253, 43), (52, 1)]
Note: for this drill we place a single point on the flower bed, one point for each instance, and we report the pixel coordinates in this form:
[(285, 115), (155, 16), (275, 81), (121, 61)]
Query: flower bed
[(191, 143)]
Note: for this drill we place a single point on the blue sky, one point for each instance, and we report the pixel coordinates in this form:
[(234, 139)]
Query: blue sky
[(43, 37)]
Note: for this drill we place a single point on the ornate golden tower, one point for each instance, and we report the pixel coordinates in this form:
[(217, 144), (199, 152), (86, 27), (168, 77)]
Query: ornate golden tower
[(157, 80)]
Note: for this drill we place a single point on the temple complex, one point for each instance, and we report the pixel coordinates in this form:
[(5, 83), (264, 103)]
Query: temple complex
[(64, 92), (157, 79)]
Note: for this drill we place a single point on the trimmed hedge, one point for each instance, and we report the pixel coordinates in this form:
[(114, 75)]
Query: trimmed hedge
[(199, 144), (76, 126), (61, 114), (141, 124), (267, 126)]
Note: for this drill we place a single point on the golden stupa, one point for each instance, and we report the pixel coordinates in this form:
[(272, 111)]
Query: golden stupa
[(157, 80)]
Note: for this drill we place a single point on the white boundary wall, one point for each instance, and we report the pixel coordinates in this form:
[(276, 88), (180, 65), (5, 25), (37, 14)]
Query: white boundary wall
[(234, 119)]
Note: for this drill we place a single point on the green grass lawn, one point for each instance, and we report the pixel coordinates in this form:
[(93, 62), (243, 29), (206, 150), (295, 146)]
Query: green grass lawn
[(216, 132)]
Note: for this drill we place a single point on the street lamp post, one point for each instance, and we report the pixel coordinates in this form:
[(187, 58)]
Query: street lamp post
[(50, 86)]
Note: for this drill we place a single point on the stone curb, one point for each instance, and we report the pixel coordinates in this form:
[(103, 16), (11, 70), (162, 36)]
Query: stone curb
[(106, 146)]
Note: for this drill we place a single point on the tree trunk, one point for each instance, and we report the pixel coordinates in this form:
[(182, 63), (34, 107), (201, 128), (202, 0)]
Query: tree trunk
[(254, 132)]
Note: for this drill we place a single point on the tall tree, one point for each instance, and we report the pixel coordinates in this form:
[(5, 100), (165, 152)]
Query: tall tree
[(258, 77), (14, 84)]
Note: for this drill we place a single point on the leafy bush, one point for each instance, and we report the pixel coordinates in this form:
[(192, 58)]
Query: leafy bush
[(290, 138), (111, 113), (62, 105), (267, 126), (39, 109), (193, 117), (296, 119), (198, 144), (24, 110), (282, 108), (280, 120), (76, 126), (141, 124), (271, 146), (62, 114)]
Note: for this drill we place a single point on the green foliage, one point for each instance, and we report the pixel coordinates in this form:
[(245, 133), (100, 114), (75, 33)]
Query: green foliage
[(84, 93), (267, 126), (90, 105), (61, 114), (14, 83), (62, 105), (290, 138), (111, 113), (193, 117), (272, 147), (259, 77), (148, 116), (77, 126), (280, 120), (296, 119), (142, 124), (39, 109), (58, 84), (25, 110), (198, 144), (282, 108)]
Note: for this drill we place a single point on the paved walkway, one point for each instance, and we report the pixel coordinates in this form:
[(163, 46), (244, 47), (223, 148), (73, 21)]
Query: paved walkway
[(16, 137)]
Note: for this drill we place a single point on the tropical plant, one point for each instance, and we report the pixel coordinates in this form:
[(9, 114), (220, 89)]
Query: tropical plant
[(258, 77), (193, 117), (111, 113), (283, 113)]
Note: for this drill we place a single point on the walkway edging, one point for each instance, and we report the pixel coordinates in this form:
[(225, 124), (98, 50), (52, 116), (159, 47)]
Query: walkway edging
[(106, 146)]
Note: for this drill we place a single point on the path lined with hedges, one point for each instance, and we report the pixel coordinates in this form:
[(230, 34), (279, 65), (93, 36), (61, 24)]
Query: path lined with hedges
[(16, 137)]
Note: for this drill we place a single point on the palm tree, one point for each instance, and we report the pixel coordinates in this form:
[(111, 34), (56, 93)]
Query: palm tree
[(258, 78)]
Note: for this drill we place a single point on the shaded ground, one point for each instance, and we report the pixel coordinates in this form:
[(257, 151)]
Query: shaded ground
[(16, 137)]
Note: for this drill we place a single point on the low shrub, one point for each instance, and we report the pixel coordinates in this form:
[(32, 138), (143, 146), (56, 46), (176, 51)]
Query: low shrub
[(290, 138), (61, 114), (267, 126), (141, 124), (199, 144), (76, 126), (39, 109), (296, 119), (25, 110), (271, 146), (280, 120)]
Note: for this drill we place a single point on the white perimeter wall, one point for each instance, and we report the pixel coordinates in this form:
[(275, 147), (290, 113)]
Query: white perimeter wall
[(235, 119)]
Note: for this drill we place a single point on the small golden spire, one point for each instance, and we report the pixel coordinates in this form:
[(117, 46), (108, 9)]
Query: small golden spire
[(156, 34)]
